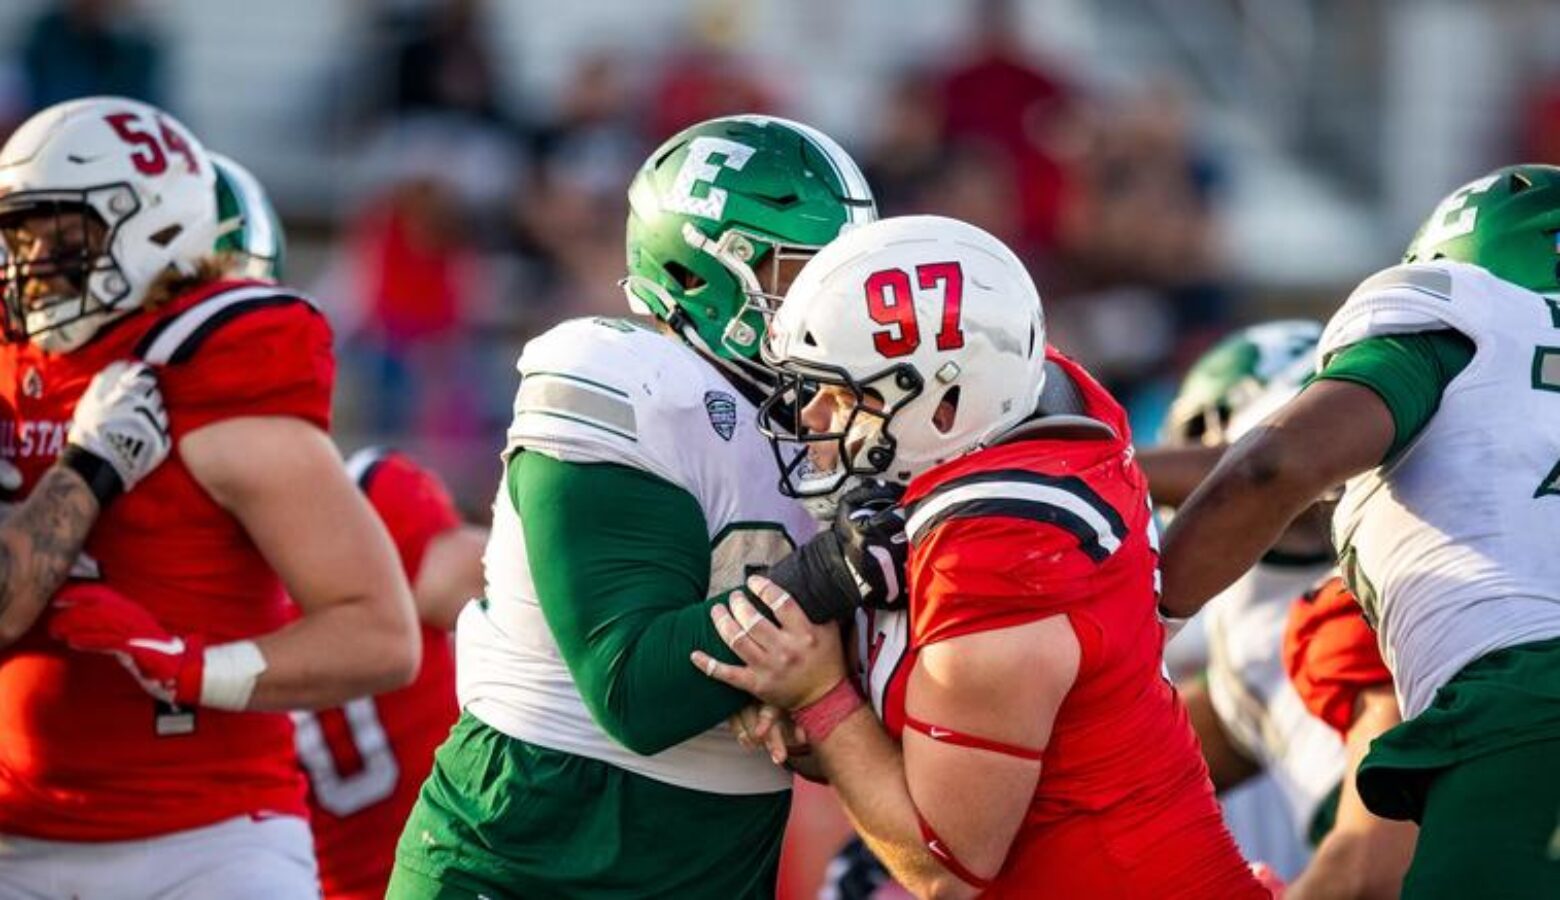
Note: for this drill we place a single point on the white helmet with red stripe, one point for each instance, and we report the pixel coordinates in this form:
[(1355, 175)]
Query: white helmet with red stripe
[(99, 198), (935, 328)]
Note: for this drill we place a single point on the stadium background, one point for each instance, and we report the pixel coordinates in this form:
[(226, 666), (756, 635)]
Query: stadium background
[(451, 172)]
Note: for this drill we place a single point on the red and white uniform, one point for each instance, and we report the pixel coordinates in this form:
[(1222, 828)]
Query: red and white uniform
[(1042, 527), (366, 760), (85, 754), (1332, 653)]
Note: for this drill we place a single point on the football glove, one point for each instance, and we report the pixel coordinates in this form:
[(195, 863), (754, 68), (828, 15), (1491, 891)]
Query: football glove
[(95, 618), (858, 561), (119, 432)]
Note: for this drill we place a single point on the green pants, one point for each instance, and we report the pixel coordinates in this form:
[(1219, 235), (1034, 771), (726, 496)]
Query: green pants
[(1480, 771), (500, 818)]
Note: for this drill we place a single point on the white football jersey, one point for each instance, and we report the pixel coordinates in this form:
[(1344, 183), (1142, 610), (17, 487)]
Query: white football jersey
[(610, 391), (1252, 694), (1450, 546)]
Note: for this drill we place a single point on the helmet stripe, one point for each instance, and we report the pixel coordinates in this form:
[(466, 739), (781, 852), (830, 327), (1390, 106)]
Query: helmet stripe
[(846, 172)]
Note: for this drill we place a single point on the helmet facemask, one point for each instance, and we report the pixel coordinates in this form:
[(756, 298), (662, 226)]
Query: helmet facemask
[(57, 297), (820, 463)]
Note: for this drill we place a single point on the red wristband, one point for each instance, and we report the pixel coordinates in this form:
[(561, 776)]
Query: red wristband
[(821, 716)]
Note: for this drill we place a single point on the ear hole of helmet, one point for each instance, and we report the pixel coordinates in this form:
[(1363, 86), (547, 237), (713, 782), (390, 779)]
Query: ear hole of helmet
[(947, 412), (167, 235), (684, 276)]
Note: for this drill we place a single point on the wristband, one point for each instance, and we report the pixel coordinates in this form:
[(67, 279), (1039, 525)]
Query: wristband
[(231, 671), (823, 715), (104, 483)]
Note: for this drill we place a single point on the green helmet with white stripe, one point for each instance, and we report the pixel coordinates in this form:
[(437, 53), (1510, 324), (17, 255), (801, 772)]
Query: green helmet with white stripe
[(722, 202), (1254, 367), (248, 230)]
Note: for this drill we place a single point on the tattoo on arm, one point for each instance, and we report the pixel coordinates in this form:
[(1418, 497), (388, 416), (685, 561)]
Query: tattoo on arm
[(39, 541)]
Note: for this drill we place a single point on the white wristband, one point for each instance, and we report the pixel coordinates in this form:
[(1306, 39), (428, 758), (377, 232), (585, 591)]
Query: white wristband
[(229, 676)]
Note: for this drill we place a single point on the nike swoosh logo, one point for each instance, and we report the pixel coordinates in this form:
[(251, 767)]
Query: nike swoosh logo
[(937, 734), (172, 646)]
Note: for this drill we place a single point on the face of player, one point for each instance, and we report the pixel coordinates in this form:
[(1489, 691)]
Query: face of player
[(53, 251), (830, 411)]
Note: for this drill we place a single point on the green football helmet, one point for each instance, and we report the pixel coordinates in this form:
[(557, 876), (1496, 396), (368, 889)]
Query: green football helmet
[(1235, 374), (248, 229), (712, 205), (1507, 222)]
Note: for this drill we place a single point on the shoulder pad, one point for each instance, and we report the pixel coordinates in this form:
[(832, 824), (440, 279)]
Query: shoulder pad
[(1403, 299), (589, 386), (1066, 502), (176, 338)]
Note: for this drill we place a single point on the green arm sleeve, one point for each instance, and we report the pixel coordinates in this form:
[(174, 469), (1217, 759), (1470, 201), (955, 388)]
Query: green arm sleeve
[(620, 560), (1409, 372)]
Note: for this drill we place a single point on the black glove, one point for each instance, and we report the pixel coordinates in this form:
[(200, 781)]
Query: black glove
[(859, 561), (871, 528)]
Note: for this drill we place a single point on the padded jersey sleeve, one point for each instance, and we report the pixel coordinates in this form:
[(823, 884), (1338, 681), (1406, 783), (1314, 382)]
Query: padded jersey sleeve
[(261, 359), (1331, 654), (620, 563), (983, 574), (1409, 372), (412, 502)]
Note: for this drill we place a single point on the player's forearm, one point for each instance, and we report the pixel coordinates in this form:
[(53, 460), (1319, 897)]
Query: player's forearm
[(634, 676), (866, 769), (1174, 472), (1344, 867), (1241, 510), (334, 654), (38, 543)]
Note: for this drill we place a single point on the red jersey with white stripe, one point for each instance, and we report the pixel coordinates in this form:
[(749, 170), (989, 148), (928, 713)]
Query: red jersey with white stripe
[(1331, 653), (1045, 526), (367, 760), (85, 754)]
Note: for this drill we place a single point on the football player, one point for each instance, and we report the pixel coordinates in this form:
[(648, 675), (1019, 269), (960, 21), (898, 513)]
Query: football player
[(589, 760), (1442, 373), (1027, 741), (178, 777), (366, 759)]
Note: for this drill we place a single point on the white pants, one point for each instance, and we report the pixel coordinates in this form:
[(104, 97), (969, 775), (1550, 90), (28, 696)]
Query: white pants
[(237, 859)]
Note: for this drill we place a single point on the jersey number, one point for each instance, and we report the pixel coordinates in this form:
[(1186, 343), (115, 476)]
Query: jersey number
[(891, 303), (370, 778), (152, 145)]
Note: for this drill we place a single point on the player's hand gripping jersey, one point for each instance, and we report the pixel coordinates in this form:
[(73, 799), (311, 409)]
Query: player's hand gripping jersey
[(366, 760), (1037, 527), (85, 754)]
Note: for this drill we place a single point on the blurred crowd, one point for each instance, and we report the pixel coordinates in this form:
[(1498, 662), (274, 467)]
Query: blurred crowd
[(485, 222)]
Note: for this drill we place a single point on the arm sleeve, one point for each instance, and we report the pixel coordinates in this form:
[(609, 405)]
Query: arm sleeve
[(1409, 372), (620, 560)]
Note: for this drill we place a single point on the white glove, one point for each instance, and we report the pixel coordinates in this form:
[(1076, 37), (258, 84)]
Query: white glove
[(121, 421), (10, 478)]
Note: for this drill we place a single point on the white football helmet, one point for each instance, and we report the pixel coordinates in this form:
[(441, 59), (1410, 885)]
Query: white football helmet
[(133, 171), (907, 314)]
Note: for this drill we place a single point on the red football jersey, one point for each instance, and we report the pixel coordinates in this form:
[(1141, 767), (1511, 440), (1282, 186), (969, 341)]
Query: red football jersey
[(85, 754), (1039, 527), (367, 760), (1331, 654)]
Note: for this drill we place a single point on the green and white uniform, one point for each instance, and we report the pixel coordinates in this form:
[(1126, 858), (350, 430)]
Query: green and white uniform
[(1450, 545), (631, 460)]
